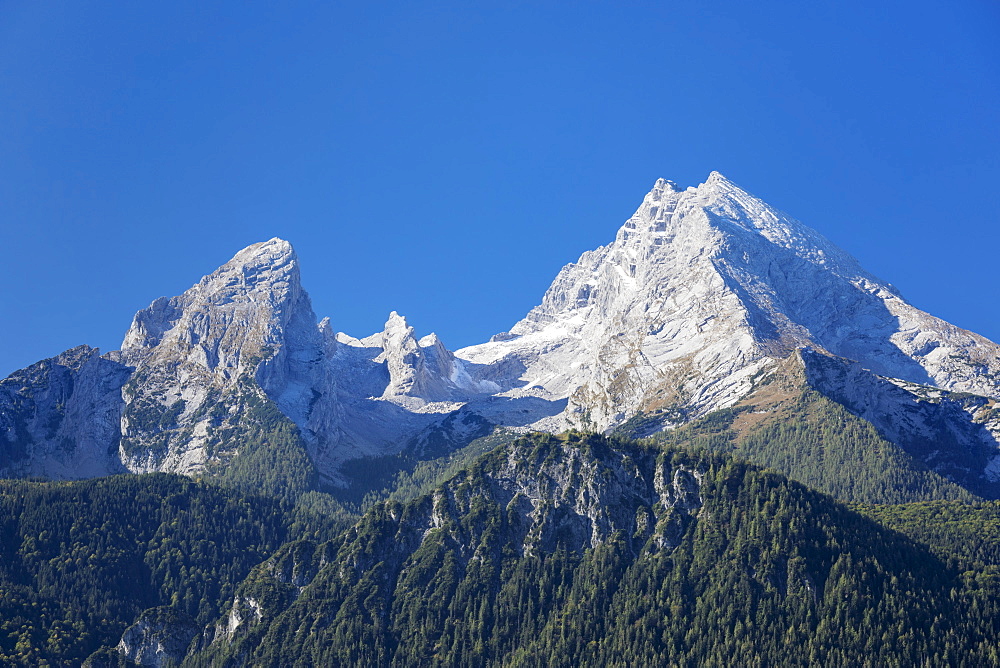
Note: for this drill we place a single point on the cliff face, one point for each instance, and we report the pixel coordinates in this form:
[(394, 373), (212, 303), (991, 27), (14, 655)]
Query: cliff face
[(60, 418), (247, 331), (248, 328), (953, 433), (704, 292), (160, 637)]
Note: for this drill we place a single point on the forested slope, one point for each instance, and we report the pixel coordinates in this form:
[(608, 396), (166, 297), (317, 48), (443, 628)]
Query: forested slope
[(816, 441), (79, 561), (583, 550)]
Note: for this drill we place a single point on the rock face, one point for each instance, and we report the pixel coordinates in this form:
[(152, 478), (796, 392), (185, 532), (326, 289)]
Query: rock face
[(60, 418), (703, 293), (953, 433), (246, 327), (393, 391), (703, 290), (160, 637)]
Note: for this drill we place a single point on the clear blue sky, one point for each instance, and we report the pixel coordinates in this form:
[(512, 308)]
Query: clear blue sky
[(445, 159)]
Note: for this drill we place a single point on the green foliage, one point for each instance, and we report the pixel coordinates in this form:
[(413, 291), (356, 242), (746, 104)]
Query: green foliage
[(250, 445), (446, 568), (169, 417), (267, 455), (967, 535), (404, 476), (107, 657), (319, 516), (79, 561), (642, 425), (819, 443), (767, 572)]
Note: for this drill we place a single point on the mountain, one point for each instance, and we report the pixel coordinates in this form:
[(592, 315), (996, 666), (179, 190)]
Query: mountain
[(714, 335), (706, 296), (197, 358), (702, 292), (61, 418), (199, 374), (581, 550)]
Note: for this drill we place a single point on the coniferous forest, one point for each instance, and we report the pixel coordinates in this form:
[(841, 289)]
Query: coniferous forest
[(81, 560), (765, 570), (546, 550)]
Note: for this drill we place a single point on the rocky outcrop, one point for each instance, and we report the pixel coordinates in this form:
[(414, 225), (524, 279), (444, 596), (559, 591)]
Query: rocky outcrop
[(60, 418), (393, 392), (394, 365), (412, 371), (245, 328), (703, 290), (533, 497), (160, 637)]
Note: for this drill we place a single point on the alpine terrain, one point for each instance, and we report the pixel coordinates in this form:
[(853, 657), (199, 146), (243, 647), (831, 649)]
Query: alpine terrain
[(715, 437), (706, 297)]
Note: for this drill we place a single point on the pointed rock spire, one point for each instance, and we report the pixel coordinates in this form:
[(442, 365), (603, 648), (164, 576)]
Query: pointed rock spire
[(230, 314), (700, 290), (665, 186), (716, 179), (249, 320), (418, 369)]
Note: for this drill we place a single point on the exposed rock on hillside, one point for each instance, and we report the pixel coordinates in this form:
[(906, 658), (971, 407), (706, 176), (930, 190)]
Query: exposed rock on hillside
[(704, 292), (60, 418)]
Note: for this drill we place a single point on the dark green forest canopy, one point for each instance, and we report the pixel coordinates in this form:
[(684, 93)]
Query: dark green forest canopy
[(967, 535), (764, 569), (80, 560), (546, 550), (818, 442)]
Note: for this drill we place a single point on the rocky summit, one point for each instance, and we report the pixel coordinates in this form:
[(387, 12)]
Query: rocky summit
[(701, 293), (704, 295)]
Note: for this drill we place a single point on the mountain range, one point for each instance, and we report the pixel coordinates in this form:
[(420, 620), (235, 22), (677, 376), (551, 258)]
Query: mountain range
[(716, 436), (705, 296)]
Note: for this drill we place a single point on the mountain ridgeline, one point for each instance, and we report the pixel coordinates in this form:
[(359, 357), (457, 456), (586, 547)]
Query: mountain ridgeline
[(580, 550), (703, 299), (243, 485)]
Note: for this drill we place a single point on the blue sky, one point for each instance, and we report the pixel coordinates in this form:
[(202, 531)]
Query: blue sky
[(444, 160)]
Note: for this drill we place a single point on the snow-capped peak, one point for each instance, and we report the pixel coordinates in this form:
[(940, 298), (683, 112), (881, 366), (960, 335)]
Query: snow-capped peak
[(702, 292), (270, 252), (701, 289), (663, 185)]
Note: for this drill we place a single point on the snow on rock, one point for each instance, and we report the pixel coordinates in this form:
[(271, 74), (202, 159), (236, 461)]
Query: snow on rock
[(954, 433), (701, 291), (423, 370), (250, 320)]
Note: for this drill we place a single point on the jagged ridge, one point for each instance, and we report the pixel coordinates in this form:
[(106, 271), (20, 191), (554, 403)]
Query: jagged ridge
[(703, 294), (579, 550)]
